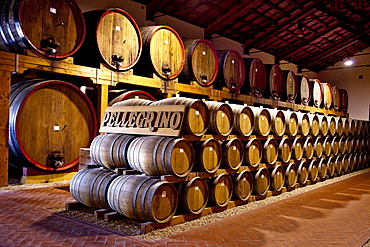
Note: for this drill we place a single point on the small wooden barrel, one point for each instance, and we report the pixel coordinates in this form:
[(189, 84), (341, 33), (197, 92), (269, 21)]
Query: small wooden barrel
[(193, 195), (163, 53), (285, 150), (221, 118), (326, 146), (314, 123), (338, 165), (232, 153), (323, 168), (352, 126), (332, 125), (308, 148), (351, 160), (291, 122), (262, 121), (345, 163), (255, 76), (231, 70), (331, 166), (253, 152), (302, 173), (109, 150), (113, 38), (335, 91), (354, 146), (196, 120), (201, 62), (339, 125), (335, 145), (208, 155), (359, 129), (303, 123), (318, 147), (277, 122), (54, 29), (277, 178), (270, 151), (316, 98), (343, 100), (343, 144), (290, 85), (324, 124), (297, 148), (133, 94), (349, 143), (261, 181), (243, 185), (291, 175), (133, 102), (143, 198), (158, 155), (359, 161), (220, 190), (90, 186), (275, 82), (346, 127), (327, 97), (304, 90), (243, 119), (313, 171)]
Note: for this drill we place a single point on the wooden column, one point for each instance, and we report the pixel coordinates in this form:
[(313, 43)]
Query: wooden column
[(4, 125), (102, 101)]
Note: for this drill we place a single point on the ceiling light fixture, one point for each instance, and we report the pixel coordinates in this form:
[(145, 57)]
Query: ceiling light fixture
[(300, 33), (348, 61)]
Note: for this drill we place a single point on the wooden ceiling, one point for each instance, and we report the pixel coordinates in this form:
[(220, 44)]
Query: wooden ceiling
[(311, 34)]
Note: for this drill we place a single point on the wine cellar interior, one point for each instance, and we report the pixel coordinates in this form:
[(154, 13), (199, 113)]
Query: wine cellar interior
[(166, 112)]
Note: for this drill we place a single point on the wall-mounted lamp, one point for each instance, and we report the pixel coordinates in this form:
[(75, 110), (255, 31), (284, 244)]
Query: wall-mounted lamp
[(348, 61)]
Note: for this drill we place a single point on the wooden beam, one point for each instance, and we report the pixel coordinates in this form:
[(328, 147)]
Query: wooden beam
[(4, 125), (155, 6)]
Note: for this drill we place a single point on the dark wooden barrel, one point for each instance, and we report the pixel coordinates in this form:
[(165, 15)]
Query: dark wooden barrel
[(277, 178), (285, 149), (345, 163), (277, 121), (291, 175), (324, 124), (322, 168), (243, 119), (330, 162), (163, 53), (208, 155), (343, 144), (352, 126), (351, 160), (54, 29), (313, 170), (338, 165), (303, 123), (343, 100), (314, 123), (291, 86), (255, 76), (327, 146), (291, 122), (243, 185), (112, 38), (201, 62), (110, 150), (261, 181), (302, 173), (335, 91), (143, 198), (90, 186), (304, 90), (133, 94), (297, 148), (253, 152), (193, 195), (231, 70), (49, 135), (316, 98), (232, 153), (349, 143), (221, 118), (220, 190), (275, 81), (158, 155), (318, 147), (262, 121), (308, 148), (327, 97)]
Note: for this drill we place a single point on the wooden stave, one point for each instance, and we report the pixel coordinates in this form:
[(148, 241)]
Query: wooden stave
[(223, 57)]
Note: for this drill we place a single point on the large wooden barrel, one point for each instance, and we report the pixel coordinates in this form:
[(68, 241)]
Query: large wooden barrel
[(304, 90), (277, 176), (303, 123), (275, 81), (232, 153), (322, 168), (221, 118), (90, 186), (302, 173), (285, 149), (314, 123), (163, 53), (133, 94), (201, 62), (324, 124), (220, 190), (291, 86), (313, 171), (158, 155), (54, 29), (262, 120), (291, 122), (231, 70), (318, 147), (343, 100), (255, 76), (243, 185), (112, 38), (261, 181), (327, 97), (110, 150), (49, 134), (308, 148), (327, 146), (297, 148), (291, 175), (253, 152), (143, 198), (196, 120), (277, 122), (270, 151), (208, 155), (243, 119), (193, 195), (335, 91), (316, 98)]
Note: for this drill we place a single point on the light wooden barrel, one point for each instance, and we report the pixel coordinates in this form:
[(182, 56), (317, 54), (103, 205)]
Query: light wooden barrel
[(110, 150), (317, 97), (345, 163), (324, 124), (330, 162), (163, 53), (332, 125), (285, 150), (255, 76), (318, 147), (221, 118), (275, 81), (302, 173), (243, 119), (193, 195), (335, 145), (327, 146), (133, 94), (113, 39), (262, 121), (291, 175), (291, 86), (277, 178), (349, 143), (143, 198), (90, 186), (277, 122), (48, 135), (197, 117), (338, 165), (220, 190), (327, 97), (304, 90), (308, 148), (208, 155), (231, 70), (343, 144), (343, 100), (303, 123), (201, 62), (158, 155), (313, 170), (261, 181), (335, 91), (339, 125), (232, 153), (270, 151), (291, 122), (243, 185), (54, 29), (346, 127), (253, 152), (322, 168), (297, 148), (314, 123)]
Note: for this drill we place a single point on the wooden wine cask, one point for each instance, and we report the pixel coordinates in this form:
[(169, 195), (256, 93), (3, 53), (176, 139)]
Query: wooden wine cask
[(291, 175), (351, 162), (290, 85), (308, 148), (275, 82), (253, 152), (327, 146), (346, 127), (324, 124), (313, 171), (304, 90), (285, 150), (343, 100), (201, 62), (243, 185), (90, 186), (262, 120), (221, 118), (338, 165), (345, 163), (196, 117), (277, 121), (54, 29), (231, 70), (158, 155), (302, 172), (255, 76), (318, 147), (358, 124), (361, 143), (163, 53), (303, 123), (133, 102), (110, 150), (317, 96), (314, 123), (359, 161), (143, 198), (349, 143), (133, 94), (342, 144), (330, 162), (270, 151), (220, 190), (208, 155), (339, 125), (48, 135), (335, 91), (232, 153), (112, 38), (243, 119), (354, 144), (261, 181), (291, 122), (193, 195), (297, 148), (277, 178), (332, 125), (335, 145), (322, 168), (327, 97), (352, 126)]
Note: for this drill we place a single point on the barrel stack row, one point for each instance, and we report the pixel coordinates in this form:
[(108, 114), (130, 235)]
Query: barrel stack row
[(226, 152)]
